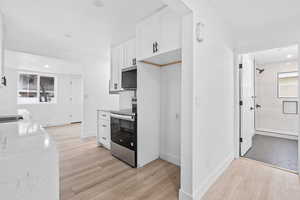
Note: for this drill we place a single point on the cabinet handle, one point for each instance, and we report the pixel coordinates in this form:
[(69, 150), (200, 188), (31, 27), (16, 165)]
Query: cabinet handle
[(153, 47), (104, 126), (156, 47), (116, 86), (104, 138), (3, 81), (103, 115), (134, 61)]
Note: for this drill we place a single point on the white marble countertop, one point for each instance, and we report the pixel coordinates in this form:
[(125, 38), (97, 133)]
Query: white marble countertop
[(23, 137), (29, 163)]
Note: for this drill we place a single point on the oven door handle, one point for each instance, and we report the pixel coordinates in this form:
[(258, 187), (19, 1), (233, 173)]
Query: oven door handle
[(123, 117)]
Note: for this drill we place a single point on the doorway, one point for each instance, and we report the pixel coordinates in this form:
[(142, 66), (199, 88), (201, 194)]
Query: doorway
[(269, 96)]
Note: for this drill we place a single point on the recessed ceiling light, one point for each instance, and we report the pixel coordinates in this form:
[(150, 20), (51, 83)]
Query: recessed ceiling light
[(289, 56), (47, 66), (68, 35), (98, 3)]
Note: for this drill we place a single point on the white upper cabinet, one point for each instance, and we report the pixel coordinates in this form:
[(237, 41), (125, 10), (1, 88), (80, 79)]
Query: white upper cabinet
[(170, 31), (122, 56), (147, 33), (159, 34), (116, 65), (129, 53)]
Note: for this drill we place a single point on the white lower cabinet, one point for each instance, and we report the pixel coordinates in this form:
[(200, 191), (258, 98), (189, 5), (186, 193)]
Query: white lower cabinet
[(103, 133)]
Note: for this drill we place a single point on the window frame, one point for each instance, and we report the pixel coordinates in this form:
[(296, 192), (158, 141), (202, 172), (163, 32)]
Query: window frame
[(278, 87), (38, 74)]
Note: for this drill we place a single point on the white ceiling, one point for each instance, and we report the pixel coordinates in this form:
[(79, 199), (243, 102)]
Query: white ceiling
[(285, 54), (258, 20), (71, 29), (253, 14), (41, 26)]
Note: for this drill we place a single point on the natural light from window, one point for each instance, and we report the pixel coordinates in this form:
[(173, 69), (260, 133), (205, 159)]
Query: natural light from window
[(36, 88)]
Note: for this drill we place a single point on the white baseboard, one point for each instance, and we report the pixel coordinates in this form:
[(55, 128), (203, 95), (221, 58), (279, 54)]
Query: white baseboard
[(87, 134), (184, 196), (170, 158), (142, 162), (276, 134), (213, 177), (53, 124)]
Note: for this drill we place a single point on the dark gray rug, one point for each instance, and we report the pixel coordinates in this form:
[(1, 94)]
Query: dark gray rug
[(276, 151)]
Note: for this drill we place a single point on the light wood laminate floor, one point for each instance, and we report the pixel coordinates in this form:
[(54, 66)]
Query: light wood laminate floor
[(91, 173), (247, 179)]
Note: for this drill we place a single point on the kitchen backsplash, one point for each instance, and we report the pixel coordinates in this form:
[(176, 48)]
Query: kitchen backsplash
[(125, 99)]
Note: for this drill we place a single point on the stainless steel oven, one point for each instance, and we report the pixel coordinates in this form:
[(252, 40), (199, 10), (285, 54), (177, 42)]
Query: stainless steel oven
[(124, 138)]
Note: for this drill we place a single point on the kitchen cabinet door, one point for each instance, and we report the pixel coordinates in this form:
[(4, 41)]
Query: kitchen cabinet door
[(170, 31), (104, 133), (147, 35), (129, 49), (116, 64), (159, 36), (1, 48)]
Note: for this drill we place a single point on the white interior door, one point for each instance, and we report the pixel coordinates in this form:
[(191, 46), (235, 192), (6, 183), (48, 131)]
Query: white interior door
[(248, 108), (76, 99)]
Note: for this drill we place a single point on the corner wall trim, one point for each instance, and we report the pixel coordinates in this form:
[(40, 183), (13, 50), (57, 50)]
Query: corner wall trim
[(170, 158), (213, 177), (184, 196), (87, 134)]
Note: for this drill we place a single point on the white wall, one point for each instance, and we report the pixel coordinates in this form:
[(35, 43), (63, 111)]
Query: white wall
[(170, 95), (270, 116), (46, 114), (59, 113), (213, 98), (96, 93), (8, 94)]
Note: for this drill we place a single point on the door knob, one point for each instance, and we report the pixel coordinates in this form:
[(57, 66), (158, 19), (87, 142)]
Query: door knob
[(258, 106), (251, 108)]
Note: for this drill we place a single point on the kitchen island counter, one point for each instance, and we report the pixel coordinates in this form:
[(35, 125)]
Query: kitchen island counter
[(29, 164)]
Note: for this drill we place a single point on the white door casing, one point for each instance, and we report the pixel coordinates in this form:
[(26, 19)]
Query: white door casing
[(247, 96), (76, 99)]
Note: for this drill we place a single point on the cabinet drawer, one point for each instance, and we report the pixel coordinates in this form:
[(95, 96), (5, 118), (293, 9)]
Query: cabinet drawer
[(104, 133), (104, 115)]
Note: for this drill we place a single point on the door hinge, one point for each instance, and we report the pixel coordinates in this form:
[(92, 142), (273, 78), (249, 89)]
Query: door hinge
[(241, 103), (240, 66), (241, 140)]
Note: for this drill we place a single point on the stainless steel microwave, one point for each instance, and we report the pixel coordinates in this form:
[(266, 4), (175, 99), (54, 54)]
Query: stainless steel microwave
[(129, 78)]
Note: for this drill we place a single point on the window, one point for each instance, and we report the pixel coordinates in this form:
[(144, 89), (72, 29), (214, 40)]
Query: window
[(288, 85), (35, 88)]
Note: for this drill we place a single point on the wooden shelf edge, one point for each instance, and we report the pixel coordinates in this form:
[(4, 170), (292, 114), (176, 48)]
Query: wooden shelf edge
[(162, 65)]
